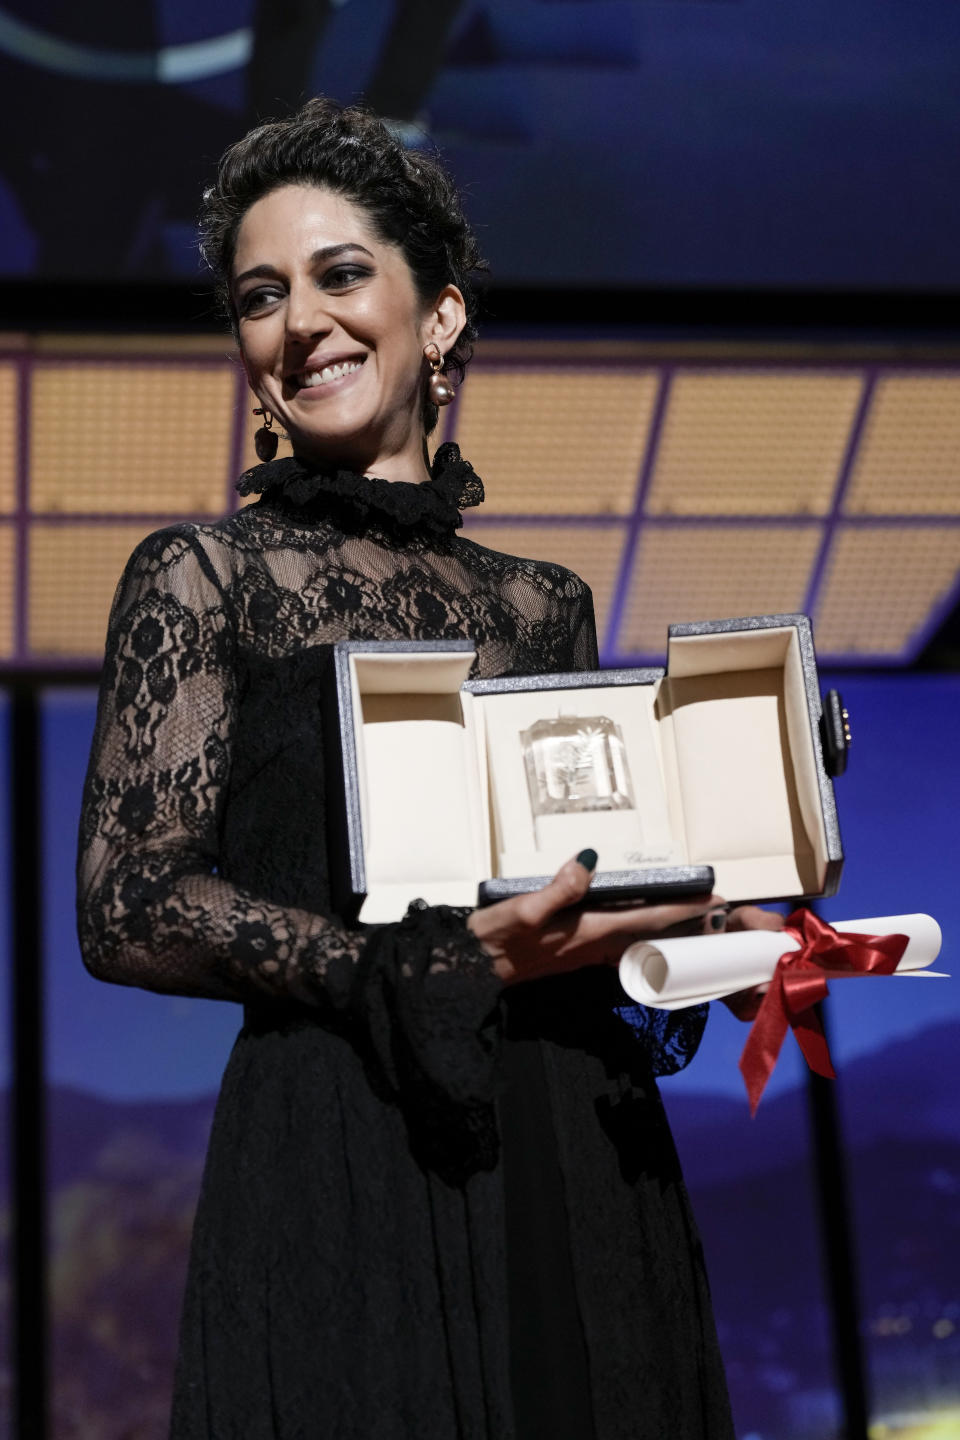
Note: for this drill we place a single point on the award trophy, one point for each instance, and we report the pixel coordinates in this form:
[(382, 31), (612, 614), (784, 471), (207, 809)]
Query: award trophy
[(576, 763)]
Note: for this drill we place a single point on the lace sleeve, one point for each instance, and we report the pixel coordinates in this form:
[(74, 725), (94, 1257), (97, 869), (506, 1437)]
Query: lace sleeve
[(670, 1038), (584, 627), (152, 909)]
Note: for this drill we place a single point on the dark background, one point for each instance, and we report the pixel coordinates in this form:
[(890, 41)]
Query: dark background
[(723, 144)]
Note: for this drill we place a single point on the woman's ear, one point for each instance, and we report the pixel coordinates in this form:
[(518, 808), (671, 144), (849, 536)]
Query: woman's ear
[(446, 318)]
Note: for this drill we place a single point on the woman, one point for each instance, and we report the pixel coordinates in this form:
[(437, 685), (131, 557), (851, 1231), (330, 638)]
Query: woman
[(437, 1203)]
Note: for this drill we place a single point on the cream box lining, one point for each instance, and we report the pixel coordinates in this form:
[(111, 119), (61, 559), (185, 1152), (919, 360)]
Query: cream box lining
[(720, 750)]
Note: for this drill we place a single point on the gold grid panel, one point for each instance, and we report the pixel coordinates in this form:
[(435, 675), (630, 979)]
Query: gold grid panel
[(713, 572), (909, 458), (131, 437), (7, 583), (74, 571), (559, 441), (753, 442), (8, 438), (592, 551), (881, 584)]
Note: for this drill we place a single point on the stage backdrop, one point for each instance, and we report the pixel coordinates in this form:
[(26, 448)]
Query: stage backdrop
[(132, 1078), (614, 142)]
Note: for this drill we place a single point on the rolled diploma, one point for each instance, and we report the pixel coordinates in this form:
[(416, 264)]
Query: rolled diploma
[(692, 969)]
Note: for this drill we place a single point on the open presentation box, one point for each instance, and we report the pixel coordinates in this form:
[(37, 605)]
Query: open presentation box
[(714, 773)]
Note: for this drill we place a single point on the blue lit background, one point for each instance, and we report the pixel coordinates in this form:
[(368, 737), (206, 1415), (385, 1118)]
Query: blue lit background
[(126, 1064), (898, 809), (722, 143)]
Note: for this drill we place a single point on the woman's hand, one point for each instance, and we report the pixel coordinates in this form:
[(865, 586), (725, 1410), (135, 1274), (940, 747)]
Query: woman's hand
[(546, 933), (745, 1003)]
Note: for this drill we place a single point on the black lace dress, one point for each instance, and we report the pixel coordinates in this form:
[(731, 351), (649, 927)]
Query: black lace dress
[(431, 1208)]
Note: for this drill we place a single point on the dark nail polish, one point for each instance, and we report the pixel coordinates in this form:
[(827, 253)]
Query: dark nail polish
[(718, 920), (588, 859)]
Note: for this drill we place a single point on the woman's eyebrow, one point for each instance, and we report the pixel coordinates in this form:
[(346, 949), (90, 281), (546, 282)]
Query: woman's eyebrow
[(257, 272), (327, 252)]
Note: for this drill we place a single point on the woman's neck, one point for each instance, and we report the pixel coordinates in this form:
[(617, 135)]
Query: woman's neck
[(410, 464)]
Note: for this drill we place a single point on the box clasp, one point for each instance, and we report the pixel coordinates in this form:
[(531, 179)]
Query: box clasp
[(834, 733)]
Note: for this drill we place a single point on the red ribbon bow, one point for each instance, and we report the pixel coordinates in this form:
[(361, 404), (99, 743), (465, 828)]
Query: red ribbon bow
[(799, 982)]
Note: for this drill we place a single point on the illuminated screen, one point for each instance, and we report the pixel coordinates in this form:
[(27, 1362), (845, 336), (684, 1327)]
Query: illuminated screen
[(601, 142)]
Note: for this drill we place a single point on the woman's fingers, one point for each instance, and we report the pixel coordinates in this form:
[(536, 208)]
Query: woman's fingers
[(640, 921), (513, 931), (568, 887), (751, 917), (572, 881), (550, 930), (745, 1004)]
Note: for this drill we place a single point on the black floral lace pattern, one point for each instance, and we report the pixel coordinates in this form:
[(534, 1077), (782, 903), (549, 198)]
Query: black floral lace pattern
[(352, 1204), (316, 560)]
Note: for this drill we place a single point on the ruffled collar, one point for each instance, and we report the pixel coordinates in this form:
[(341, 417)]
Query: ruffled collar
[(433, 506)]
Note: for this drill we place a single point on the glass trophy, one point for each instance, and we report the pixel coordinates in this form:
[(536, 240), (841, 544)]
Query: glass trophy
[(576, 763)]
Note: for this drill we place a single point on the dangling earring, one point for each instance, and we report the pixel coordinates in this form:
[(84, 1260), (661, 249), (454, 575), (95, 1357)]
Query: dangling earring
[(265, 440), (439, 389)]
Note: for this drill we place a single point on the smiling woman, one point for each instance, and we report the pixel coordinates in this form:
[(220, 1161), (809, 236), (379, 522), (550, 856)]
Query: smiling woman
[(438, 1204), (367, 213), (333, 332)]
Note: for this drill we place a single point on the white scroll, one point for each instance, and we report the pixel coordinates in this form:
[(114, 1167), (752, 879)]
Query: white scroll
[(674, 974)]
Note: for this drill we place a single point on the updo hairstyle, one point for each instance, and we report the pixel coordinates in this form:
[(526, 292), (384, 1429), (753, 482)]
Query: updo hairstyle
[(409, 198)]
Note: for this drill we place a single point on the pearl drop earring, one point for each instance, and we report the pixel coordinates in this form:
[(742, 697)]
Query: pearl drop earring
[(439, 389)]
